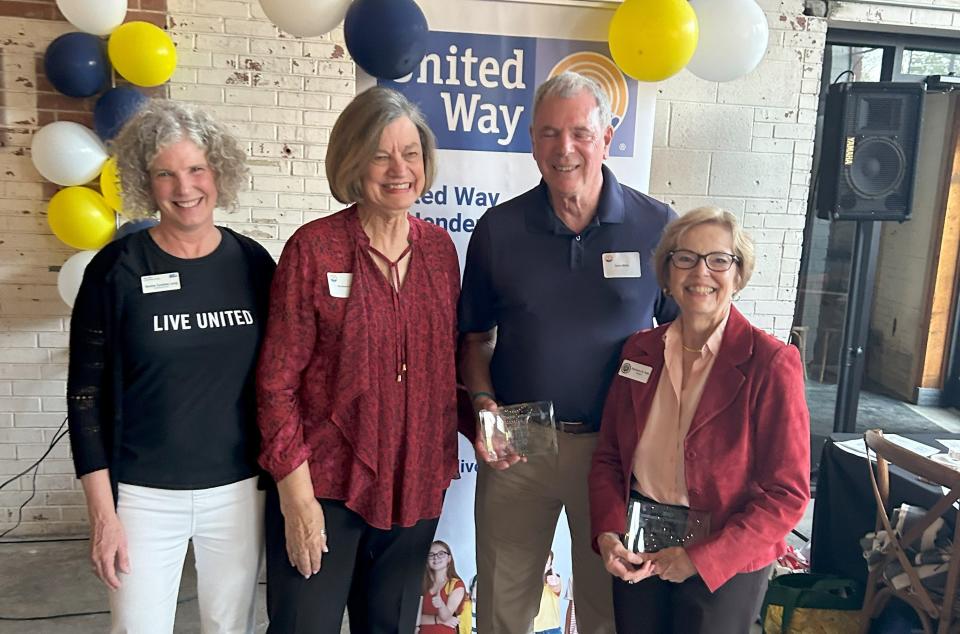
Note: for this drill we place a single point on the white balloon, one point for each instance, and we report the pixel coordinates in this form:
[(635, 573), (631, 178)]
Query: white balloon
[(305, 18), (733, 38), (67, 153), (99, 17), (71, 274)]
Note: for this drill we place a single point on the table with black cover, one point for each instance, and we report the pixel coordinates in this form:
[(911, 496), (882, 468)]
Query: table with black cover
[(845, 508)]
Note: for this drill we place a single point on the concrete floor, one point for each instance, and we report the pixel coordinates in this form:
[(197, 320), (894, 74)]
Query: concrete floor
[(50, 578), (43, 579)]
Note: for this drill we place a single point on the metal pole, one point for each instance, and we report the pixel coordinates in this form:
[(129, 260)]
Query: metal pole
[(856, 325)]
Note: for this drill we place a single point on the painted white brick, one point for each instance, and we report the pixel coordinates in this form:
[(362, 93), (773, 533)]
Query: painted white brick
[(710, 127), (778, 146), (685, 86), (18, 340), (222, 43), (681, 171), (682, 204), (223, 8), (38, 388), (754, 89), (277, 184), (25, 355), (305, 101), (54, 403), (54, 371), (197, 94), (15, 404), (197, 24), (188, 58), (30, 420), (253, 97), (256, 28), (330, 85), (748, 174)]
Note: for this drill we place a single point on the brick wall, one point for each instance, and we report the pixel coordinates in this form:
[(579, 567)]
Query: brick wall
[(937, 17), (33, 319), (746, 145), (279, 95)]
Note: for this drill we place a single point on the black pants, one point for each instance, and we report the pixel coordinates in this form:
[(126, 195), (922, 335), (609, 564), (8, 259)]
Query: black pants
[(376, 574), (655, 606)]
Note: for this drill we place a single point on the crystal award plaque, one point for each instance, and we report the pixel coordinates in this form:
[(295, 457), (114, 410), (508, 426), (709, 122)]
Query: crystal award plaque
[(652, 526), (524, 429)]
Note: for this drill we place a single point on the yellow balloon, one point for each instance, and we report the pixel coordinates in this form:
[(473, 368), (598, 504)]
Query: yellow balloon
[(651, 40), (81, 218), (142, 53), (110, 185)]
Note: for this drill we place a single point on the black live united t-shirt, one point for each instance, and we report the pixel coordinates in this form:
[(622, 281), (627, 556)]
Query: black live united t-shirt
[(189, 353)]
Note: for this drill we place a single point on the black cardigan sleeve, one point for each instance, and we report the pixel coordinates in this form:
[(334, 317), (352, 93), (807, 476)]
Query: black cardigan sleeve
[(88, 392)]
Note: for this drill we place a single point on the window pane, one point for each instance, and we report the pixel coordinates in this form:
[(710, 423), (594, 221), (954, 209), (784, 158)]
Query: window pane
[(864, 63), (916, 62)]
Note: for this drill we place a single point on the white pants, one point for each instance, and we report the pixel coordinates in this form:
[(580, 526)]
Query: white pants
[(226, 526)]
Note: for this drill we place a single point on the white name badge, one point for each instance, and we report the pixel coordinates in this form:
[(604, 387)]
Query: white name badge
[(340, 284), (160, 283), (622, 264), (635, 371)]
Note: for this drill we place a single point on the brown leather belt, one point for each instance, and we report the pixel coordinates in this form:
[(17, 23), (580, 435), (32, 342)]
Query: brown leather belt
[(574, 427)]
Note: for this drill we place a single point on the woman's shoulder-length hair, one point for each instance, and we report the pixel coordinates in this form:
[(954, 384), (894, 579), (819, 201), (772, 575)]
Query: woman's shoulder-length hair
[(161, 123), (355, 139)]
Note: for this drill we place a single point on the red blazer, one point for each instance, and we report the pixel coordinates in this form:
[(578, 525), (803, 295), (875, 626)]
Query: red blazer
[(747, 454)]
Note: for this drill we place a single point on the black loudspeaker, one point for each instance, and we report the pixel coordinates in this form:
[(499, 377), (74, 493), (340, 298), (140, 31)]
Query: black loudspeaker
[(869, 150)]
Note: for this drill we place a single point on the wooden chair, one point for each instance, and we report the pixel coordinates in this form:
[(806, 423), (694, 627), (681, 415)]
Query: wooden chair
[(930, 608)]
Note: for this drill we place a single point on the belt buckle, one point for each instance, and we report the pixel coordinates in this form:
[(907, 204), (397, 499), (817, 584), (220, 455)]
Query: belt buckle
[(572, 427)]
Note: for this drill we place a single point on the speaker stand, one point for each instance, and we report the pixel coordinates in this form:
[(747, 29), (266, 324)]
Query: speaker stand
[(856, 325)]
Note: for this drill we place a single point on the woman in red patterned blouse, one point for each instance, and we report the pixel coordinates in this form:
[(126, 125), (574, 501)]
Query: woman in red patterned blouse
[(356, 384)]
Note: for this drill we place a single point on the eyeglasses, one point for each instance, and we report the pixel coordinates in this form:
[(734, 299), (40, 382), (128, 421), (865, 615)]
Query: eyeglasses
[(440, 554), (718, 261)]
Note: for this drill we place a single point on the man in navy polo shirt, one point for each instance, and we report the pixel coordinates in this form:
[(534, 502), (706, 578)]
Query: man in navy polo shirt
[(555, 281)]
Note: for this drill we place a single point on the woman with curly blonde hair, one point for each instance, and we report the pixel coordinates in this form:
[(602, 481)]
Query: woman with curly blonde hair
[(164, 338)]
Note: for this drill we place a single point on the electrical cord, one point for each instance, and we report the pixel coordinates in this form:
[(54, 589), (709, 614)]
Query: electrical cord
[(65, 615), (35, 467)]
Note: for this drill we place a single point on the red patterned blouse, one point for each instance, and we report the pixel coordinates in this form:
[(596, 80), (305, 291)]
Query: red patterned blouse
[(362, 386)]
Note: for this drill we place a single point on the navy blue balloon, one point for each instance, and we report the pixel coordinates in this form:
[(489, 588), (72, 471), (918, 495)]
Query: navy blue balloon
[(386, 38), (134, 226), (114, 108), (77, 65)]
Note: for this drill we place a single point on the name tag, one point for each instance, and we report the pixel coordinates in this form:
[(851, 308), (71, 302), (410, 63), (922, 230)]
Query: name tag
[(635, 371), (160, 283), (622, 264), (340, 284)]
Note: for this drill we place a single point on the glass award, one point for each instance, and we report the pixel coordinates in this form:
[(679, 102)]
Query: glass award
[(524, 429), (652, 526)]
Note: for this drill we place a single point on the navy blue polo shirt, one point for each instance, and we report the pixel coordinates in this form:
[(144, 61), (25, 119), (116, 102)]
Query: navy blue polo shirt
[(561, 323)]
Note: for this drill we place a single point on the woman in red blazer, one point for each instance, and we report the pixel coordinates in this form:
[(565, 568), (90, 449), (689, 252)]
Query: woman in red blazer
[(709, 413)]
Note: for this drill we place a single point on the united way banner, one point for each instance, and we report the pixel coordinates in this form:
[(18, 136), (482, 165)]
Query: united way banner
[(475, 85)]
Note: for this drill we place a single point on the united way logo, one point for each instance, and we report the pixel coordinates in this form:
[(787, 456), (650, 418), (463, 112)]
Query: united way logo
[(602, 70), (476, 90)]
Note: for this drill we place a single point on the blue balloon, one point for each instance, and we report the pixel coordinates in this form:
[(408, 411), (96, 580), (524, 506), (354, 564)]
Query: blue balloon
[(386, 38), (134, 226), (114, 108), (77, 65)]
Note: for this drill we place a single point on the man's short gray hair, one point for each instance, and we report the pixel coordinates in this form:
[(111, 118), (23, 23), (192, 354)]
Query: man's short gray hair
[(570, 84)]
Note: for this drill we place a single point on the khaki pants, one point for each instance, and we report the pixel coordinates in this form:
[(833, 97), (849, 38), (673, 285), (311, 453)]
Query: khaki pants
[(516, 515)]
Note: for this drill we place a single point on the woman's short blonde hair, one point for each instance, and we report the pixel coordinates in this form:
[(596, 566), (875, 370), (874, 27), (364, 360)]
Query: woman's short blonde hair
[(742, 243), (355, 139), (161, 123)]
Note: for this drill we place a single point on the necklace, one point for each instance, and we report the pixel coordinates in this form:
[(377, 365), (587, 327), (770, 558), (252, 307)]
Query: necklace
[(689, 349)]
